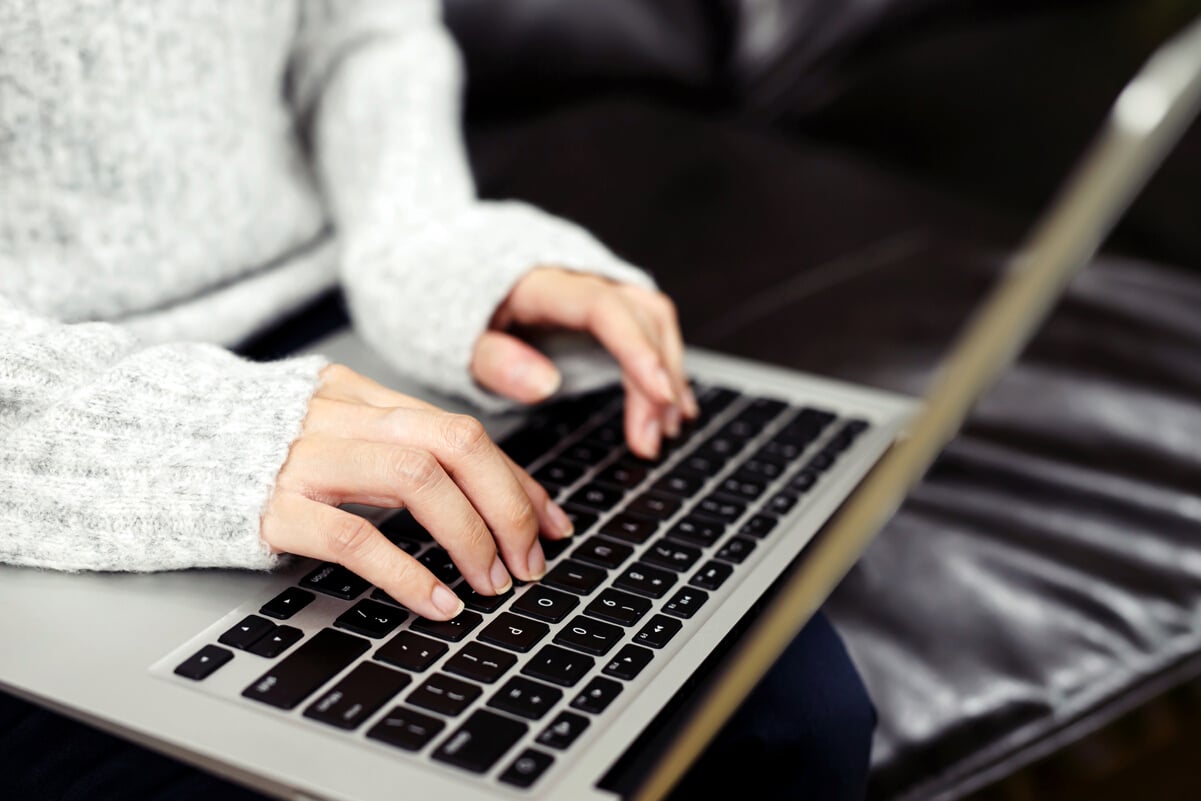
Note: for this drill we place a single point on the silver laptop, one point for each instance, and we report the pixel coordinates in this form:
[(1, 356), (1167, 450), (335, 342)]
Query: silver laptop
[(308, 683)]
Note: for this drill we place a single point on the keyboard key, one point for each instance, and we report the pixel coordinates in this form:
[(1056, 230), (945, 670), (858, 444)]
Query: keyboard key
[(438, 562), (525, 697), (371, 619), (701, 464), (765, 470), (681, 482), (740, 430), (527, 768), (482, 740), (483, 603), (646, 580), (379, 595), (619, 607), (404, 530), (629, 662), (712, 575), (287, 603), (657, 506), (597, 497), (672, 555), (411, 651), (514, 632), (802, 481), (546, 604), (686, 602), (623, 474), (590, 636), (582, 519), (781, 503), (558, 474), (762, 409), (204, 663), (715, 400), (658, 631), (630, 528), (246, 632), (357, 695), (743, 488), (820, 462), (444, 694), (480, 662), (575, 577), (276, 642), (452, 630), (698, 530), (563, 730), (603, 552), (407, 729), (299, 674), (587, 454), (784, 452), (719, 507), (553, 549), (558, 666), (335, 580), (597, 695), (736, 550), (720, 449), (759, 526)]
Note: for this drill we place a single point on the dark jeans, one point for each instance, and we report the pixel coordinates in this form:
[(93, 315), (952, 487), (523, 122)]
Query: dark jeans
[(805, 732)]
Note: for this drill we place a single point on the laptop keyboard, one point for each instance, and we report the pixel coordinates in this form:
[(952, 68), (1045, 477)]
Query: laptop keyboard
[(516, 679)]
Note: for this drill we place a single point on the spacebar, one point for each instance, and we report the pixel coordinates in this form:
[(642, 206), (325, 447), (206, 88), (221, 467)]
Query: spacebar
[(326, 654)]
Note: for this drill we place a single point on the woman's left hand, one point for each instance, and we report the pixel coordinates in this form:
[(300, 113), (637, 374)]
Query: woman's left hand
[(637, 325)]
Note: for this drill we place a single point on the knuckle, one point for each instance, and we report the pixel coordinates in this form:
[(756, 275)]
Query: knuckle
[(339, 373), (414, 468), (465, 434), (520, 517), (350, 538)]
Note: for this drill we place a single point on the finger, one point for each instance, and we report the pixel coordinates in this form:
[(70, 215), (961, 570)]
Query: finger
[(672, 341), (552, 519), (299, 525), (339, 382), (510, 367), (388, 476), (643, 424)]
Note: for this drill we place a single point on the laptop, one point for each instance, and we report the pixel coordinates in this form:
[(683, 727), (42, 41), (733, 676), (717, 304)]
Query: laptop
[(606, 679)]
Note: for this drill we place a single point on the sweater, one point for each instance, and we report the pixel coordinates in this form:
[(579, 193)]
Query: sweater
[(175, 177)]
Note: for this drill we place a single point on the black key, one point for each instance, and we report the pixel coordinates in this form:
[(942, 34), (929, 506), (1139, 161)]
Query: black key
[(619, 607), (558, 666), (720, 448), (411, 651), (759, 469), (287, 603), (482, 739), (356, 697), (563, 730), (715, 400), (802, 481), (597, 497), (480, 662), (575, 577), (762, 410), (597, 695), (483, 603), (552, 549), (630, 528), (740, 429), (839, 442), (514, 632), (246, 632), (657, 506), (607, 434), (590, 636), (701, 464), (646, 580), (603, 552), (629, 662), (546, 604), (335, 580), (698, 530), (857, 426), (712, 575), (736, 550), (681, 482), (587, 453), (582, 519), (438, 561), (444, 694), (371, 619), (781, 503), (527, 768), (759, 526), (746, 489), (453, 630), (719, 507), (204, 663), (621, 473), (379, 595), (276, 642), (404, 530), (672, 555), (299, 674), (525, 697), (558, 474), (404, 728), (820, 462), (685, 602), (658, 631), (784, 452)]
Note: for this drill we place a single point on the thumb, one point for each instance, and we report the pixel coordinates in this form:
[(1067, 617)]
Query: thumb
[(507, 366)]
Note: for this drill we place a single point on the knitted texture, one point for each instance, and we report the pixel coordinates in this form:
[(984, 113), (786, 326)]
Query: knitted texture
[(175, 171)]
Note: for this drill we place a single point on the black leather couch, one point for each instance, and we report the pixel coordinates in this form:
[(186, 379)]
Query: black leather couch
[(832, 186)]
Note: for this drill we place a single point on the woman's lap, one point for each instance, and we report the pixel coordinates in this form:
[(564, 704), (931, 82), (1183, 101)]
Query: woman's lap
[(804, 732)]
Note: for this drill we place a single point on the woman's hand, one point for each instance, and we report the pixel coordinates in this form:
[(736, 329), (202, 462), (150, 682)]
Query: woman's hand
[(366, 444), (637, 325)]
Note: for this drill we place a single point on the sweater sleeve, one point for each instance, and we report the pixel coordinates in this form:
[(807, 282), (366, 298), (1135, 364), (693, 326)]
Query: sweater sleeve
[(119, 456), (425, 262)]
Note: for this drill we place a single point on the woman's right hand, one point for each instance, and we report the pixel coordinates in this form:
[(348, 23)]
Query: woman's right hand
[(365, 444)]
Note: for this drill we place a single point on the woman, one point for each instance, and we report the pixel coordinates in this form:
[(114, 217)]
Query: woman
[(178, 177)]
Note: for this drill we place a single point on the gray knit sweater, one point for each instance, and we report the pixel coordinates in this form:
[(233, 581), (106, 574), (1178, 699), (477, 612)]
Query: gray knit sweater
[(174, 176)]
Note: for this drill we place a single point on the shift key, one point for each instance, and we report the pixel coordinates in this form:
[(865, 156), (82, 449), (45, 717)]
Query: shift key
[(311, 665)]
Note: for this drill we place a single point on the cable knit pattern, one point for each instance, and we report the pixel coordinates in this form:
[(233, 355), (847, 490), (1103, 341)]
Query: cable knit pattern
[(173, 171)]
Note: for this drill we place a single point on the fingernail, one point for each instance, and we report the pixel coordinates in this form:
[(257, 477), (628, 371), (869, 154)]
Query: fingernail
[(501, 581), (663, 386), (671, 421), (650, 437), (446, 601), (537, 562), (540, 380), (559, 520)]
